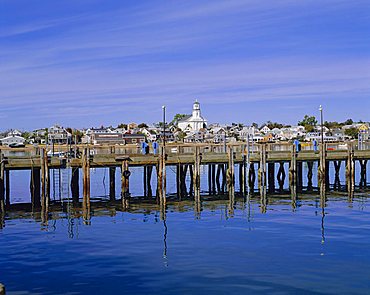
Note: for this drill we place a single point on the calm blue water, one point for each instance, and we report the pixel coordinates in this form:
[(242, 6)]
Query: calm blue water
[(221, 250)]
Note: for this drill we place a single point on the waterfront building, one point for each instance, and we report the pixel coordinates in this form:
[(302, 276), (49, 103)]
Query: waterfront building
[(58, 135), (13, 139), (195, 122)]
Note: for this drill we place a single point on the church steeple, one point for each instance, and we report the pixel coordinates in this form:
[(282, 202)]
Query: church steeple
[(196, 109)]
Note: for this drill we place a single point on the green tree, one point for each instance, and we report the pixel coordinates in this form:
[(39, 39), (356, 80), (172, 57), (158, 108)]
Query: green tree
[(352, 132), (309, 123), (348, 122), (142, 125), (177, 118), (124, 126), (273, 125)]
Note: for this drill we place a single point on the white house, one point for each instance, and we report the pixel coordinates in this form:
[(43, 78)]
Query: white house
[(149, 133), (265, 129), (13, 139), (195, 122)]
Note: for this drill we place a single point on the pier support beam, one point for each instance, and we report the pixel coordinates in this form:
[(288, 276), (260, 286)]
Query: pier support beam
[(271, 177), (2, 183), (363, 180), (75, 189), (112, 183), (322, 168), (293, 167), (262, 167), (218, 175), (149, 170), (337, 165), (309, 175), (350, 171), (299, 175), (45, 185), (252, 177), (230, 174), (125, 183), (196, 174), (281, 176), (7, 188), (86, 185), (35, 188)]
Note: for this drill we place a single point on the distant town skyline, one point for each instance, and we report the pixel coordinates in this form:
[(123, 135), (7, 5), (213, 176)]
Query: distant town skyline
[(88, 63)]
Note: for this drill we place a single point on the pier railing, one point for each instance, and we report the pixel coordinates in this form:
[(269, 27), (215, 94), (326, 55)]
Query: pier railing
[(174, 149)]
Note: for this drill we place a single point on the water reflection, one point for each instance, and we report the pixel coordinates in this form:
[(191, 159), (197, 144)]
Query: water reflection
[(165, 259)]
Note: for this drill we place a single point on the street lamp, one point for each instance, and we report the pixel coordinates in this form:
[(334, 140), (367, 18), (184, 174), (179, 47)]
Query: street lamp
[(321, 119), (164, 125)]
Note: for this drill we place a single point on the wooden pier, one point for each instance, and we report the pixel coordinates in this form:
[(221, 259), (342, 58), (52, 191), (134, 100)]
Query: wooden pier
[(265, 163)]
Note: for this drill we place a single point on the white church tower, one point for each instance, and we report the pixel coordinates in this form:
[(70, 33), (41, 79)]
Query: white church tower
[(193, 122)]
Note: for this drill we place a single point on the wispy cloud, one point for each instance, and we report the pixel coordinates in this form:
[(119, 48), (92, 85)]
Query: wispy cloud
[(121, 63)]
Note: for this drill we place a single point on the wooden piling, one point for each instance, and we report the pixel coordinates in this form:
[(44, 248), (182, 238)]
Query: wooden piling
[(322, 168), (299, 175), (125, 183), (35, 187), (271, 177), (337, 165), (350, 173), (149, 179), (209, 179), (213, 166), (7, 188), (293, 167), (218, 175), (196, 174), (262, 167), (2, 183), (281, 176), (86, 172), (145, 175), (184, 171), (230, 175), (86, 185), (75, 179), (191, 187), (309, 175), (164, 180), (363, 172), (252, 177)]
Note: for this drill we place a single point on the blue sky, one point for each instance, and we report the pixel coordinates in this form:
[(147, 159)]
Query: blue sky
[(85, 63)]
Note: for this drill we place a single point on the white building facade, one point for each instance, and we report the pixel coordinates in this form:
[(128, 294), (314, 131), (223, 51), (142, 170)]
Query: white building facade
[(195, 122)]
